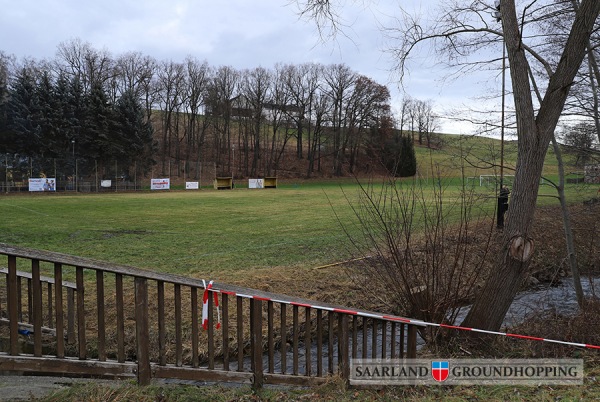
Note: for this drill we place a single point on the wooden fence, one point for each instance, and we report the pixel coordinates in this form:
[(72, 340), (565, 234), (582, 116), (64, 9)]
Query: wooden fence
[(71, 315)]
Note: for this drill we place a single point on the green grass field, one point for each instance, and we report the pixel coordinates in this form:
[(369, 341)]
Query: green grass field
[(203, 233)]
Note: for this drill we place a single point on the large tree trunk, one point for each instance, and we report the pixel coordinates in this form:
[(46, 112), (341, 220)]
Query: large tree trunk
[(534, 133)]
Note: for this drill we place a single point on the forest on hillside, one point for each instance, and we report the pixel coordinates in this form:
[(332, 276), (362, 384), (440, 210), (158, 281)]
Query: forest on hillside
[(110, 115)]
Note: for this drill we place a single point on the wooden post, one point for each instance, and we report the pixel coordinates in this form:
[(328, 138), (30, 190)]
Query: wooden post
[(256, 319), (13, 311), (178, 339), (211, 332), (37, 308), (100, 312), (225, 330), (120, 319), (58, 301), (195, 321), (80, 313), (141, 328), (70, 315), (162, 338), (343, 359), (411, 344)]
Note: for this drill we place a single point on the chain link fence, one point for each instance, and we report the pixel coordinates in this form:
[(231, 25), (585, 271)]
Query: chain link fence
[(23, 174)]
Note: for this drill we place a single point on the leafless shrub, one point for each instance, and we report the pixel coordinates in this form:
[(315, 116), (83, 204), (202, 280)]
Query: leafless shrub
[(427, 243)]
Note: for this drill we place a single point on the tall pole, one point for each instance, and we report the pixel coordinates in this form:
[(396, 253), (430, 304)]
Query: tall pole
[(503, 109), (74, 166), (502, 194)]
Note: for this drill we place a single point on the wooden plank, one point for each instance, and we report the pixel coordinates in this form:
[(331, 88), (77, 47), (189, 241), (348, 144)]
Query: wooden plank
[(301, 381), (81, 341), (319, 343), (374, 340), (162, 336), (44, 279), (330, 342), (257, 337), (30, 299), (365, 326), (411, 342), (211, 331), (270, 337), (144, 373), (101, 320), (36, 311), (402, 334), (70, 316), (251, 337), (284, 343), (178, 345), (20, 298), (13, 308), (201, 374), (296, 341), (50, 316), (383, 339), (120, 318), (307, 341), (225, 340), (29, 364), (60, 320), (240, 332), (393, 341), (195, 322), (343, 342), (354, 337)]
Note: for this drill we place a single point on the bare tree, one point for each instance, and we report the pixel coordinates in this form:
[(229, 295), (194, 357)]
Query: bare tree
[(339, 80), (198, 76), (79, 59), (256, 87), (170, 89), (463, 29)]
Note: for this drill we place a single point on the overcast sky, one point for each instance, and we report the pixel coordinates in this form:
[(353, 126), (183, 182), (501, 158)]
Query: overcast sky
[(239, 33)]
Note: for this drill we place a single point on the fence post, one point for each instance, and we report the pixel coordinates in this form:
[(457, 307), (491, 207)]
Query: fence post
[(13, 311), (141, 328), (343, 360), (257, 359), (411, 344)]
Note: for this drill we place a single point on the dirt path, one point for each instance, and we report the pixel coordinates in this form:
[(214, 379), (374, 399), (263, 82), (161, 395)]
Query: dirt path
[(27, 388)]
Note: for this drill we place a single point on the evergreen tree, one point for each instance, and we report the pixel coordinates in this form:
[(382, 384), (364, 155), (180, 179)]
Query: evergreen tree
[(96, 142), (131, 131), (24, 134), (407, 161)]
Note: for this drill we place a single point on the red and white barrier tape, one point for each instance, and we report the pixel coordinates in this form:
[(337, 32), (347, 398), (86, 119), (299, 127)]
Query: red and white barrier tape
[(401, 319)]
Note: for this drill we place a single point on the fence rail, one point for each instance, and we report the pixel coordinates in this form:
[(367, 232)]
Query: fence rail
[(72, 315)]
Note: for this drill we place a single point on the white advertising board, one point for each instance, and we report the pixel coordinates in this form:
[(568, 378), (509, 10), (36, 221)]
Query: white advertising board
[(191, 185), (160, 184), (42, 184), (256, 183), (105, 183)]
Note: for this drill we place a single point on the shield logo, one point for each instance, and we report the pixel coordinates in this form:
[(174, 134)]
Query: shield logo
[(440, 370)]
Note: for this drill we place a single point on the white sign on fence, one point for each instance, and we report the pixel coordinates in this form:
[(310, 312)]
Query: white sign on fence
[(160, 184), (106, 183), (42, 184), (191, 185), (256, 183)]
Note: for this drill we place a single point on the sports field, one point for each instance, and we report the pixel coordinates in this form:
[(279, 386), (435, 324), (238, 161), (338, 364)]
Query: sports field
[(199, 233)]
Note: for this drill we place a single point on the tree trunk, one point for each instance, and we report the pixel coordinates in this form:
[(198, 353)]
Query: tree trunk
[(534, 133)]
